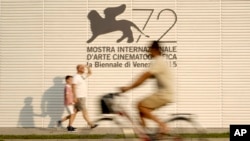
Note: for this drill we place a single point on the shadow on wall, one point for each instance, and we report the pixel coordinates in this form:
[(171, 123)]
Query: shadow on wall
[(52, 102), (26, 116)]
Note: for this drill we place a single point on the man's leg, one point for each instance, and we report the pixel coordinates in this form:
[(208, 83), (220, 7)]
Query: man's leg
[(147, 113), (59, 122), (86, 116), (82, 107), (72, 118), (65, 118)]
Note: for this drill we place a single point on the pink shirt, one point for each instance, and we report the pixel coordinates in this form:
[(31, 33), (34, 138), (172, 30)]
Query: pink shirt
[(68, 95)]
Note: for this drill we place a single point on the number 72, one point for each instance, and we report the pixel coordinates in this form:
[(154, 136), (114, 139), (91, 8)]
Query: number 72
[(158, 17)]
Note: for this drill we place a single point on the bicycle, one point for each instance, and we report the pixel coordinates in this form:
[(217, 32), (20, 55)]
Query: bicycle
[(177, 133)]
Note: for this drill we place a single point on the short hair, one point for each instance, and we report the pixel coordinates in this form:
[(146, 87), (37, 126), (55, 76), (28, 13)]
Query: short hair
[(77, 66), (67, 77), (155, 45)]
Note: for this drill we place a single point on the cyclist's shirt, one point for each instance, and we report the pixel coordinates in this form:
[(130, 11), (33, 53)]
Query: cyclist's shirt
[(161, 72)]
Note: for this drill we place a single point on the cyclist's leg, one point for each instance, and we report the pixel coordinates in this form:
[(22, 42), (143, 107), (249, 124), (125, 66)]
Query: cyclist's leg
[(147, 113), (150, 103), (142, 121)]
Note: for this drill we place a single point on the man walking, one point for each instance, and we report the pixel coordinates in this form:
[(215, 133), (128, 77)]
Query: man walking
[(80, 91)]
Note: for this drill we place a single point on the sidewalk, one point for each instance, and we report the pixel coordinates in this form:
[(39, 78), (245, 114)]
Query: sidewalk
[(215, 139), (81, 131), (56, 131), (84, 131)]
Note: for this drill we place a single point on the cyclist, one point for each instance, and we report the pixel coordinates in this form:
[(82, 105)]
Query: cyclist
[(160, 71)]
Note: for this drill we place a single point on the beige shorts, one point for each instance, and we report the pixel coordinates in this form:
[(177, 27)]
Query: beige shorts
[(154, 101), (81, 104)]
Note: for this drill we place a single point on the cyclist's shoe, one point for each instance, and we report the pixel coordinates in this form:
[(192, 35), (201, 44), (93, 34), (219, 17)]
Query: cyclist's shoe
[(93, 126)]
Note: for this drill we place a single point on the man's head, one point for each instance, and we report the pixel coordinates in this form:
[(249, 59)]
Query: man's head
[(155, 49), (80, 68)]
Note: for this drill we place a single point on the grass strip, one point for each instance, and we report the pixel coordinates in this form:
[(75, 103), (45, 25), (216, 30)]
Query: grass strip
[(103, 136)]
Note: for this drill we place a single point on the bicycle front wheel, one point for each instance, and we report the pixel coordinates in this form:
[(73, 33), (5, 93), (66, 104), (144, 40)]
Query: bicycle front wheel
[(183, 127)]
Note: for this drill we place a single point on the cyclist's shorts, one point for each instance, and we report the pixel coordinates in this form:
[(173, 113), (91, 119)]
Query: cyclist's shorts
[(154, 101)]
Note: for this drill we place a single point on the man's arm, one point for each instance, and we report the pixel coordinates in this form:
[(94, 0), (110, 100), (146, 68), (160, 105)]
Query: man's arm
[(89, 71), (74, 92), (138, 82)]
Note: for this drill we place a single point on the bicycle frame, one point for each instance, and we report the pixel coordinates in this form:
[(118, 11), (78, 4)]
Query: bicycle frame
[(112, 108)]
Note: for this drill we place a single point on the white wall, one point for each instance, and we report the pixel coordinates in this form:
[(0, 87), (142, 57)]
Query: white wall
[(41, 41)]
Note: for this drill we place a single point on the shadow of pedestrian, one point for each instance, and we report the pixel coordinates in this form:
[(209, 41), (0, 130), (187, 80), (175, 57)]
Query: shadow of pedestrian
[(52, 102), (26, 116)]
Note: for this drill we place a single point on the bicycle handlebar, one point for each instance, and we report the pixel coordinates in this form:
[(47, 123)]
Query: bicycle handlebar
[(111, 95)]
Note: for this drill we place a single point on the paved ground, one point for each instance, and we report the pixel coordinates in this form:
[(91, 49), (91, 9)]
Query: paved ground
[(210, 139), (84, 131), (218, 139), (98, 130)]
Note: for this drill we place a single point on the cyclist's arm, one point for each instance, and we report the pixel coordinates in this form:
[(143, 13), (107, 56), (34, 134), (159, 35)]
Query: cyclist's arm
[(139, 81)]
